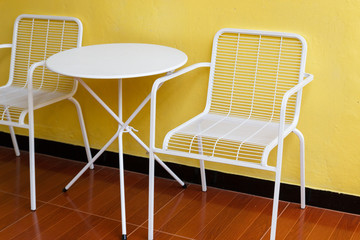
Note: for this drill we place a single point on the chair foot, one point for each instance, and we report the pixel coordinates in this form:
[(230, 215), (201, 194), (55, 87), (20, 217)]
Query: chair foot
[(64, 190), (124, 237), (184, 186)]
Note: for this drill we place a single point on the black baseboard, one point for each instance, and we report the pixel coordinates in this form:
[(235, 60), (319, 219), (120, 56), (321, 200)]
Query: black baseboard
[(259, 187)]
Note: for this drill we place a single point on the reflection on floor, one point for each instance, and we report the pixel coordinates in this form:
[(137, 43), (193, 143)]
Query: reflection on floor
[(91, 208)]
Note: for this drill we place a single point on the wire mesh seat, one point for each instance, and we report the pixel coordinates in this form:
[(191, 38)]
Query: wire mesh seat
[(224, 137), (253, 103), (31, 85)]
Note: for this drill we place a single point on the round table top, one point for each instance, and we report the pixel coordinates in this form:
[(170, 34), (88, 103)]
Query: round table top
[(117, 60)]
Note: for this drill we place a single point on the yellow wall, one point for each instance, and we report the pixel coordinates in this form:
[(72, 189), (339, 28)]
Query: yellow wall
[(330, 114)]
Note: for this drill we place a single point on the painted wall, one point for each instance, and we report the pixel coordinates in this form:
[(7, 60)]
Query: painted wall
[(330, 112)]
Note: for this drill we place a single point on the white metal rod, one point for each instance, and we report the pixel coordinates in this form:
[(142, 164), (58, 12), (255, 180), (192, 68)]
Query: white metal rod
[(302, 167), (31, 137), (102, 103), (278, 174), (8, 45), (151, 196), (2, 122), (14, 141), (125, 126), (137, 110), (32, 162), (275, 204), (162, 164), (202, 167), (101, 151), (157, 159), (121, 163), (13, 136), (216, 159), (203, 176), (83, 129)]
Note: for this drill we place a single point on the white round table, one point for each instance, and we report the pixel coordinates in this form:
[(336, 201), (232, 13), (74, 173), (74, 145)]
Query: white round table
[(117, 61)]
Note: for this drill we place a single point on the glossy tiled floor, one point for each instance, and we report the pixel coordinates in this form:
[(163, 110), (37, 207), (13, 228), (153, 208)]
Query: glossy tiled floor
[(91, 209)]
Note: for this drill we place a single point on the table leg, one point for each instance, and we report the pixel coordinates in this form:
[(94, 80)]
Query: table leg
[(119, 134), (121, 166), (98, 154), (122, 127)]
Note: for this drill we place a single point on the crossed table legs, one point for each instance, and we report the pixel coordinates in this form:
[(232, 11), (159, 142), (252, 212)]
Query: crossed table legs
[(123, 127)]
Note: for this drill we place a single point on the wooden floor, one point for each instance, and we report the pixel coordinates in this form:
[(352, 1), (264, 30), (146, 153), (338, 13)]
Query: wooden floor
[(91, 209)]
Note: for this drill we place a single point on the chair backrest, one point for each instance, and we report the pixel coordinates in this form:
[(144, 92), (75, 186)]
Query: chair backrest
[(36, 38), (252, 70)]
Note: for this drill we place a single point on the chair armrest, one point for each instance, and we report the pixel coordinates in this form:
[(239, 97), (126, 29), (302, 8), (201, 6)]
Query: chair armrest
[(6, 45), (30, 90), (292, 91), (156, 86), (287, 95), (30, 95), (31, 72), (296, 88), (29, 81), (161, 80)]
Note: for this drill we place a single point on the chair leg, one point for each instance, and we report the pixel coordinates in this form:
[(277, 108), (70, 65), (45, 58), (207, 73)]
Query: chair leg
[(13, 136), (14, 141), (32, 161), (151, 196), (203, 176), (202, 167), (83, 129), (275, 204), (302, 167)]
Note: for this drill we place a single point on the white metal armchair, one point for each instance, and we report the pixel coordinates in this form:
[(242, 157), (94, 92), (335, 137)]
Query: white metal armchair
[(31, 85), (254, 95)]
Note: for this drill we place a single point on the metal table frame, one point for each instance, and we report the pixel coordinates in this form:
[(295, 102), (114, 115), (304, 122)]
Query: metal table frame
[(123, 128)]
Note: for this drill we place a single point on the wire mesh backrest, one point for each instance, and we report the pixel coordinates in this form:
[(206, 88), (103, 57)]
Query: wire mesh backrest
[(252, 71), (35, 39)]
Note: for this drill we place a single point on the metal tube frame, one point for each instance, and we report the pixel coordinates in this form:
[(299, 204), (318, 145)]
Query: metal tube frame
[(123, 127), (276, 169)]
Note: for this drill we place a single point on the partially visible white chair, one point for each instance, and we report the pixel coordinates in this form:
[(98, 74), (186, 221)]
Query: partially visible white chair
[(31, 85), (254, 95)]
